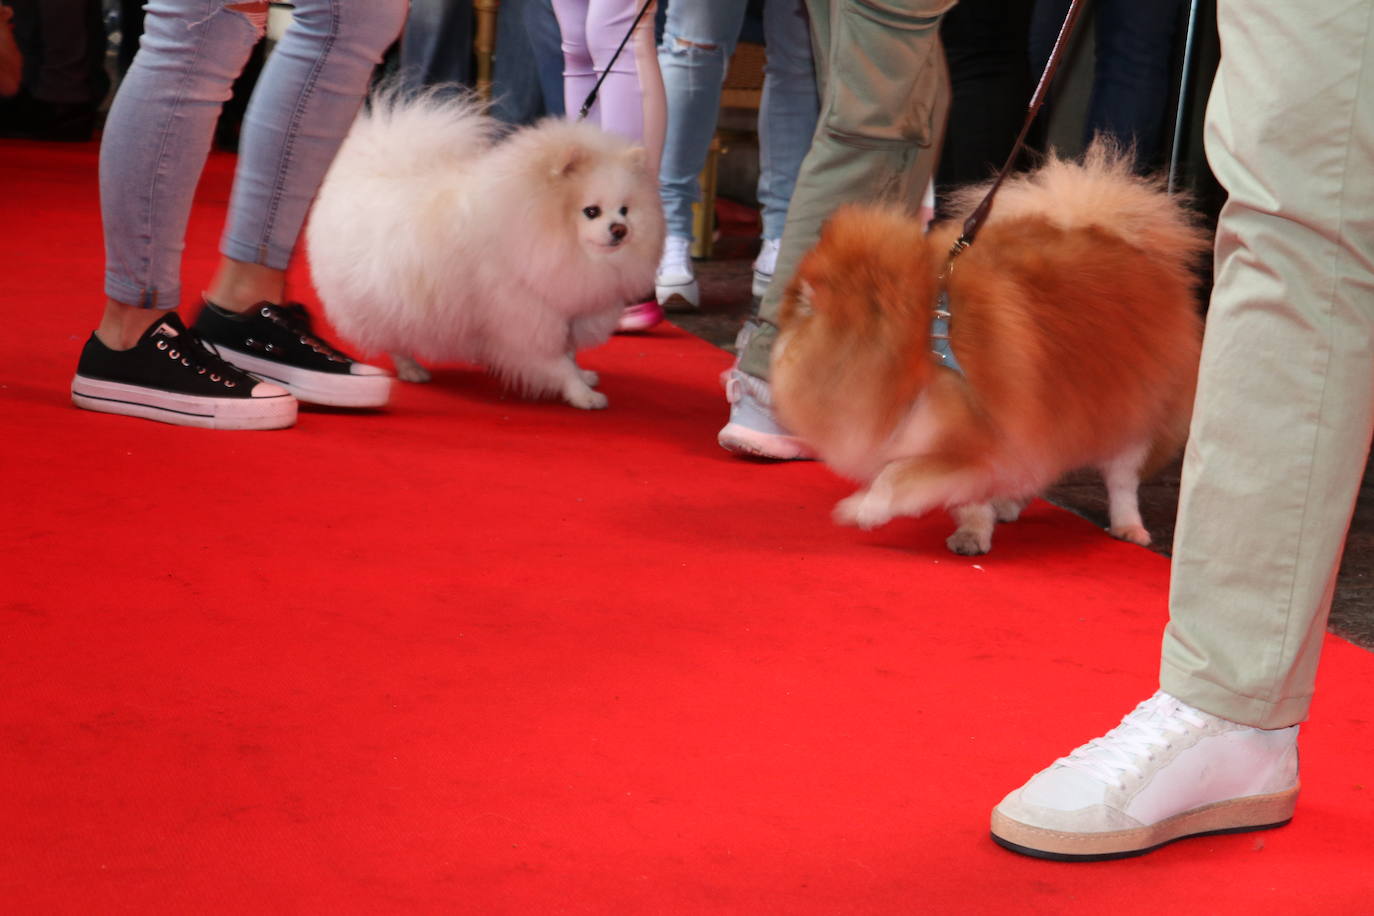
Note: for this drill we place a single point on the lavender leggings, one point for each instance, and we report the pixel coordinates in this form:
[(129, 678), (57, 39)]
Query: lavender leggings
[(630, 102)]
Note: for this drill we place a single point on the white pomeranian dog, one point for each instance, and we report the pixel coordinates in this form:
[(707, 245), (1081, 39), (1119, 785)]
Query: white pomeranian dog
[(436, 238)]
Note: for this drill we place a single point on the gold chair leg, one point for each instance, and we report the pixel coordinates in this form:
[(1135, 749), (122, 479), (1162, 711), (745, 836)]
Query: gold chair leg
[(484, 43), (704, 212)]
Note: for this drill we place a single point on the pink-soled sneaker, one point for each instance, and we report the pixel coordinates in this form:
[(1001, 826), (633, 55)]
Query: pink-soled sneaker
[(640, 316)]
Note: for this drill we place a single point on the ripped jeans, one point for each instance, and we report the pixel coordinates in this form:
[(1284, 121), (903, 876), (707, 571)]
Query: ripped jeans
[(698, 39), (160, 127)]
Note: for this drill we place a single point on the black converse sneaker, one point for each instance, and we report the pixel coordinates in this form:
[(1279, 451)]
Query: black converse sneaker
[(171, 376), (276, 343)]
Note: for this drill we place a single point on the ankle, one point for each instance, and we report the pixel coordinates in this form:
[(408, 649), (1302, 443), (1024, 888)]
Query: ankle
[(122, 325), (239, 285)]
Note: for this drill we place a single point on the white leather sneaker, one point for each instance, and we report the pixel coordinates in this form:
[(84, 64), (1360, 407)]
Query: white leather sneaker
[(764, 266), (1168, 771), (675, 279)]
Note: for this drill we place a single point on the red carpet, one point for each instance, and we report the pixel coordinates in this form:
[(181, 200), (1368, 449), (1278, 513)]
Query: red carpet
[(478, 655)]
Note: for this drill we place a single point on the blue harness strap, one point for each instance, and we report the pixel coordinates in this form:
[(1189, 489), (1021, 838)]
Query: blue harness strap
[(939, 335)]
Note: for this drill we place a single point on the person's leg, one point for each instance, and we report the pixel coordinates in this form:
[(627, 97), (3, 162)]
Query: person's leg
[(154, 146), (545, 42), (884, 97), (698, 39), (1286, 396), (629, 102), (516, 97), (986, 42), (140, 361), (305, 101), (788, 110), (579, 73), (1135, 47), (1281, 431), (787, 121), (436, 44)]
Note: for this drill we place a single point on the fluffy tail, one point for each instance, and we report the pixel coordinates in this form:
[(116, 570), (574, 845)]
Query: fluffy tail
[(1101, 189), (401, 132)]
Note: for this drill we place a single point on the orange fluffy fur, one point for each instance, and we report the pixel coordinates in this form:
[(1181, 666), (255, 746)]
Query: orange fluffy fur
[(1075, 320)]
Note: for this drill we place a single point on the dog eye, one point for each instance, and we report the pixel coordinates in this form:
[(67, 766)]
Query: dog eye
[(624, 211), (591, 212)]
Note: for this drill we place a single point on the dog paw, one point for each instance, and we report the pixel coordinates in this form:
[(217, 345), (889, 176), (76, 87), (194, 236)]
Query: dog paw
[(1136, 534), (968, 543), (591, 378), (408, 370), (586, 399), (861, 510), (1008, 510)]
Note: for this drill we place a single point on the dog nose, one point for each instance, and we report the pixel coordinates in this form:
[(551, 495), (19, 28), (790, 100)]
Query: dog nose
[(619, 231)]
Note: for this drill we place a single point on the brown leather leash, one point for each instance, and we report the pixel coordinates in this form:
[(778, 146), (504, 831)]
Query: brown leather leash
[(939, 326), (980, 213)]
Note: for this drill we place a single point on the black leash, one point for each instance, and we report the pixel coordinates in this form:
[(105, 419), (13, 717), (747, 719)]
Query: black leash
[(591, 96)]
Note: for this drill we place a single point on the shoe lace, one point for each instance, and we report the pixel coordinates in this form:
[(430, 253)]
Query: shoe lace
[(740, 384), (294, 318), (201, 357), (1150, 727)]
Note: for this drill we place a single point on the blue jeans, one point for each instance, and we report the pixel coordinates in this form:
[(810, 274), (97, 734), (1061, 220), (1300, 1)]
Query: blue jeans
[(436, 45), (698, 39), (527, 73), (159, 129)]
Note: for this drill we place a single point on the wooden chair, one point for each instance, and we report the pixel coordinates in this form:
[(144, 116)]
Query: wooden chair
[(484, 43)]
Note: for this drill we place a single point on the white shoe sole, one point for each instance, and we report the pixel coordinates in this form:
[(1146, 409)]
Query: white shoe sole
[(741, 440), (678, 294), (330, 389), (274, 412), (1236, 815)]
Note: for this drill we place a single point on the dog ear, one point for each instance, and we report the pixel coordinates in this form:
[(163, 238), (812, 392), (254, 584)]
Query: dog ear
[(567, 161)]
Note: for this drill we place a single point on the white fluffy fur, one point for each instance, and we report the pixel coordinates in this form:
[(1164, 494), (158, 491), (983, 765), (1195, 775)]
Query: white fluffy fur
[(434, 237)]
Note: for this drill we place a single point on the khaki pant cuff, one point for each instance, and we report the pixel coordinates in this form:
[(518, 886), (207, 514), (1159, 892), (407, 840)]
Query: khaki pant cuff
[(757, 355), (1219, 701)]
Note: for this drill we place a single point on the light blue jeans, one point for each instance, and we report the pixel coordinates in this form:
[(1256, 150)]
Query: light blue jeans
[(159, 130), (699, 37)]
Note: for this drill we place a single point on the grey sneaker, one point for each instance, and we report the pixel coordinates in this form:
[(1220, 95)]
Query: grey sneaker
[(1168, 771), (753, 430)]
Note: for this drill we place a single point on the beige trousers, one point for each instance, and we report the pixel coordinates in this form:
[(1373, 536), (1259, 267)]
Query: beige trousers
[(884, 98), (1285, 402)]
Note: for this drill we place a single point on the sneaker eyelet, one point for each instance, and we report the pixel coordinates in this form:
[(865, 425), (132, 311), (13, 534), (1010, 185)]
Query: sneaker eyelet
[(174, 354), (162, 344), (214, 377), (185, 361), (265, 312), (229, 383), (201, 371)]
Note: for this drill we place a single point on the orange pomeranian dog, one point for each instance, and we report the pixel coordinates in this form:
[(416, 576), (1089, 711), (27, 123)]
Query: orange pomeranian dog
[(1075, 336)]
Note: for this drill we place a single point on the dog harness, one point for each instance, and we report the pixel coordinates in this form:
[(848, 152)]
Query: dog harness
[(939, 334)]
